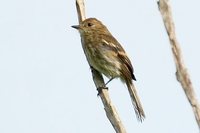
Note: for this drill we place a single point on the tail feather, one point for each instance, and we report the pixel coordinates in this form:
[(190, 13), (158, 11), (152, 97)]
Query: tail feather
[(135, 101)]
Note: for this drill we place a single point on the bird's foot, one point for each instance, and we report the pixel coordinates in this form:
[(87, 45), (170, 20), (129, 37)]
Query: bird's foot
[(99, 89)]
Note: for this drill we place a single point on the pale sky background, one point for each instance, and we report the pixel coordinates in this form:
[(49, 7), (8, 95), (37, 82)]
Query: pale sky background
[(45, 82)]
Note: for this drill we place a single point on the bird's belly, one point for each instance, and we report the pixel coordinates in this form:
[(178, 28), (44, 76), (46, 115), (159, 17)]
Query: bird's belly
[(105, 63)]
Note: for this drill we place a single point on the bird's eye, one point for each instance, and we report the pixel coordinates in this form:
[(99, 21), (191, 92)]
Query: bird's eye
[(89, 24)]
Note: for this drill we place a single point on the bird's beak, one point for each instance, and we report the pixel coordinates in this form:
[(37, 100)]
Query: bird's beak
[(76, 27)]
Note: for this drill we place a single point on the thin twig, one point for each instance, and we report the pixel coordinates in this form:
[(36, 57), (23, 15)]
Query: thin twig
[(181, 72), (110, 110)]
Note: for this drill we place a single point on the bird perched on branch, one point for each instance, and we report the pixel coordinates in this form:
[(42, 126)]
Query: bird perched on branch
[(105, 54)]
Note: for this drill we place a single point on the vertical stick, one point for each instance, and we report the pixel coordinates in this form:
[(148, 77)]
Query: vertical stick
[(181, 72), (110, 110)]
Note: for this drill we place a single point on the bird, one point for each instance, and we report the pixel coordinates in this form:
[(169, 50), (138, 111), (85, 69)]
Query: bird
[(106, 55)]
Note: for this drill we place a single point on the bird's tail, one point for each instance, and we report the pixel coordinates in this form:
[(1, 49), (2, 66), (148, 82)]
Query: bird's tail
[(135, 101)]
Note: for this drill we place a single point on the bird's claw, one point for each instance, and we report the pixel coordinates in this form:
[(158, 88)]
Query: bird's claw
[(99, 89)]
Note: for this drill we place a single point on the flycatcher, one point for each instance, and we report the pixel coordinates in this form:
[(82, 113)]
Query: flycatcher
[(105, 54)]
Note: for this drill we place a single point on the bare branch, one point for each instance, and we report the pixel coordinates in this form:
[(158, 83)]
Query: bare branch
[(110, 110), (181, 74), (80, 7)]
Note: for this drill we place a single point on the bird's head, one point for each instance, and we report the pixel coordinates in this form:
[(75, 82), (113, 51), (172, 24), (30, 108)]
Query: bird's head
[(90, 25)]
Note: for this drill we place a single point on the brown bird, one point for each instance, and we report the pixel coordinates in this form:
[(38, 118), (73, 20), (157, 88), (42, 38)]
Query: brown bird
[(105, 54)]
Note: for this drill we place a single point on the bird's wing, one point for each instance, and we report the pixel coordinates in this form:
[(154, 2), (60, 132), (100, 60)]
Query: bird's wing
[(114, 45)]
